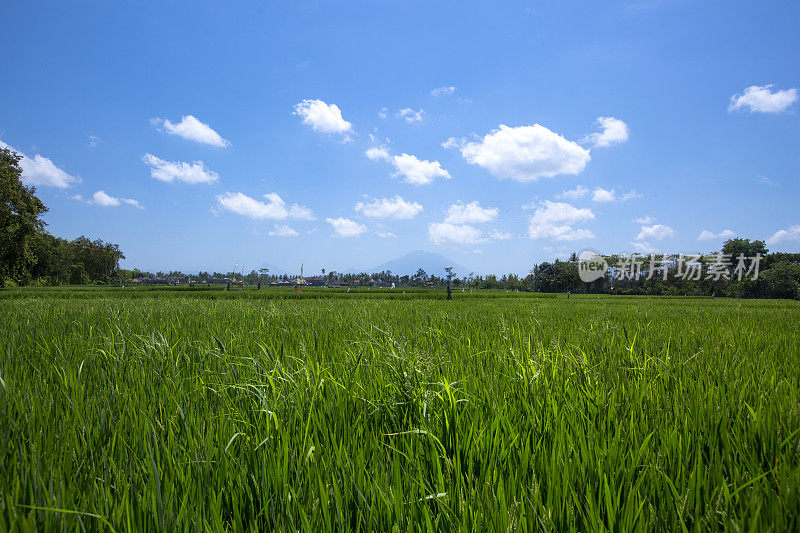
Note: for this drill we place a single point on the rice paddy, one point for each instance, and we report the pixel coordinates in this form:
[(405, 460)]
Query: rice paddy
[(170, 411)]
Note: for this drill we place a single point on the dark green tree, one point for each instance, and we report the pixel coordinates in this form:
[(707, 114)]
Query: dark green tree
[(20, 220)]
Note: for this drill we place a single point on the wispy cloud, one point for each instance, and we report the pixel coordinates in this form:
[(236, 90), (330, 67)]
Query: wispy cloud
[(409, 115), (395, 207), (443, 91)]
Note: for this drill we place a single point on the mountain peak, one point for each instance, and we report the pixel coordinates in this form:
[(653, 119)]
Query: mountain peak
[(430, 262)]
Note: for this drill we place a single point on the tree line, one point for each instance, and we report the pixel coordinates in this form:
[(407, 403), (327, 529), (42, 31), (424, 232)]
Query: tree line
[(29, 255)]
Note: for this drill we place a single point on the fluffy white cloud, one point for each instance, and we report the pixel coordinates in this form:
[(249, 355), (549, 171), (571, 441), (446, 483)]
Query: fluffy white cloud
[(471, 213), (386, 234), (573, 194), (610, 195), (41, 171), (322, 117), (526, 153), (644, 220), (785, 235), (418, 171), (104, 200), (192, 129), (168, 171), (414, 171), (395, 207), (382, 112), (603, 195), (344, 227), (283, 231), (762, 99), (274, 208), (656, 232), (443, 91), (409, 115), (707, 235), (377, 153), (445, 232), (612, 131), (554, 220)]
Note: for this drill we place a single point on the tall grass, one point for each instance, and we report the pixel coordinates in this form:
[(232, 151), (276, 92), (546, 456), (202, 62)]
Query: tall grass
[(372, 414)]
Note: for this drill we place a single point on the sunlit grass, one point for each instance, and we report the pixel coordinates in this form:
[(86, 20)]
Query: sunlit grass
[(165, 413)]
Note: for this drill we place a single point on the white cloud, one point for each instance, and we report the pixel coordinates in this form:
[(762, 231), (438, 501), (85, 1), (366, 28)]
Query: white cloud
[(603, 195), (395, 207), (498, 235), (274, 208), (382, 112), (765, 180), (559, 233), (283, 230), (443, 91), (377, 153), (418, 171), (454, 142), (415, 171), (707, 235), (191, 129), (762, 99), (644, 247), (573, 194), (526, 153), (785, 235), (77, 197), (409, 115), (655, 232), (93, 141), (644, 220), (606, 195), (104, 200), (554, 220), (322, 117), (386, 234), (168, 171), (344, 227), (471, 213), (445, 232), (612, 131), (41, 171)]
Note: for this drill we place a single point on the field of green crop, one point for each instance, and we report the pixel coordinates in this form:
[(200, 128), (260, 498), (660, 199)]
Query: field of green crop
[(176, 412)]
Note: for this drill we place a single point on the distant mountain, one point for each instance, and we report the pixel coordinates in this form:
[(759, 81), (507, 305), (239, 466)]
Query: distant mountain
[(275, 270), (430, 262)]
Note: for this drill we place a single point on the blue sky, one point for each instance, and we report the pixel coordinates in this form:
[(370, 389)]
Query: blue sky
[(198, 135)]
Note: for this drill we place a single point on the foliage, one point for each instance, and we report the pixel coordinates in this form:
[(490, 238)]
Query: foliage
[(20, 220)]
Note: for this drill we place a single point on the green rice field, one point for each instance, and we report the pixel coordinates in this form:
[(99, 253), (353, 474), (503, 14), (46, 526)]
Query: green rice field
[(137, 410)]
